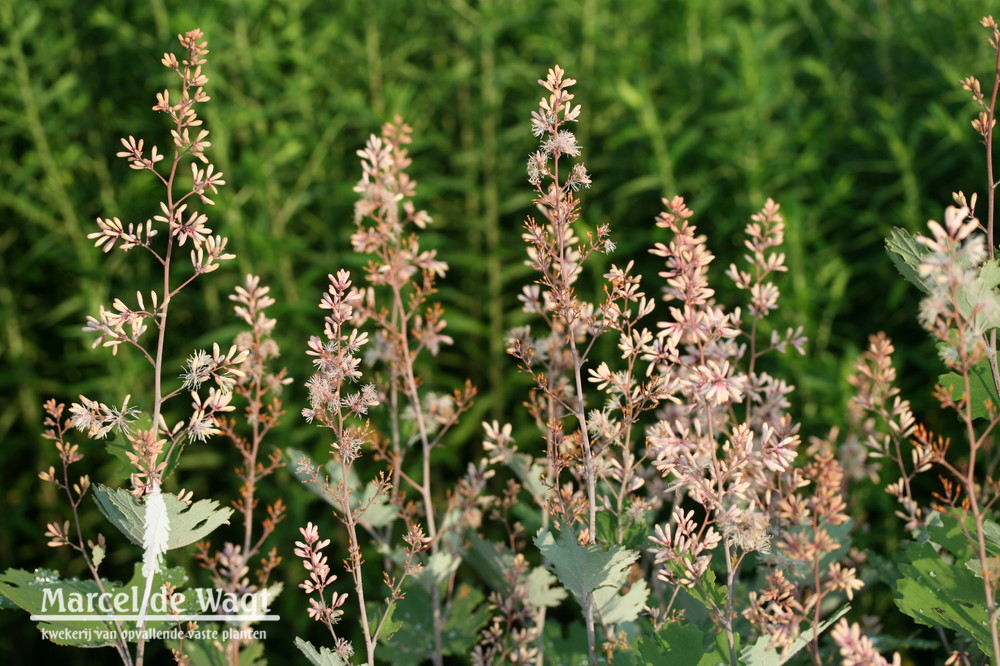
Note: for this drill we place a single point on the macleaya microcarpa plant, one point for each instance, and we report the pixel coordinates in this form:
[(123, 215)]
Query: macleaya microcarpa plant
[(332, 402), (232, 567), (150, 517), (594, 470), (729, 445), (719, 448), (401, 278), (669, 490), (949, 576), (556, 253)]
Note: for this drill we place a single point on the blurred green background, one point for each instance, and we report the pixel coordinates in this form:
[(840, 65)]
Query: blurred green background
[(848, 112)]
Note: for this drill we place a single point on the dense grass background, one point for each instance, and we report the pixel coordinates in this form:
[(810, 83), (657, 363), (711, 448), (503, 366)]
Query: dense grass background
[(847, 112)]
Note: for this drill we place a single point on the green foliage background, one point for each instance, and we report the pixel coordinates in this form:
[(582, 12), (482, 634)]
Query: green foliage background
[(848, 112)]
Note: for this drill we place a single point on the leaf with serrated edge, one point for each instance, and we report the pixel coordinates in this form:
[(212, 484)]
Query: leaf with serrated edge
[(939, 593), (414, 642), (321, 657), (541, 590), (389, 625), (984, 286), (907, 255), (981, 388), (188, 522), (677, 644), (945, 529), (680, 643), (614, 608), (583, 569)]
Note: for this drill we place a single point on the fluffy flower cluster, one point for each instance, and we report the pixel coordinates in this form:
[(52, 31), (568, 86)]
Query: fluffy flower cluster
[(337, 364), (960, 306), (702, 351)]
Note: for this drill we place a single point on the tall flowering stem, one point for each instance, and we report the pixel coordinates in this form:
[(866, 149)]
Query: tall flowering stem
[(958, 315), (259, 387), (557, 254), (154, 450), (985, 125), (402, 278), (335, 405), (57, 426), (876, 393), (331, 402), (727, 443), (125, 324), (955, 267)]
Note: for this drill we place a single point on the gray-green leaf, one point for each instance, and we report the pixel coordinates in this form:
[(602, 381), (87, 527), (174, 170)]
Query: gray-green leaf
[(983, 288), (907, 255), (583, 569), (321, 657), (188, 523)]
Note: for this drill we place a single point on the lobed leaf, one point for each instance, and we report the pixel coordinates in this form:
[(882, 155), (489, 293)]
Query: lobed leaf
[(981, 388), (389, 627), (615, 608), (760, 654), (907, 255), (678, 643), (541, 590), (413, 643), (188, 523), (583, 569), (940, 592), (379, 512), (321, 657)]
